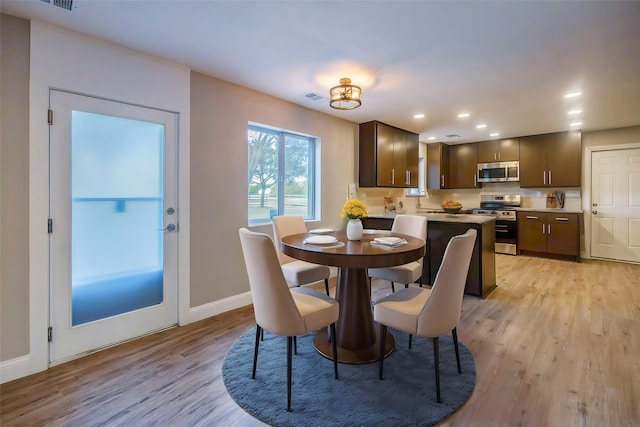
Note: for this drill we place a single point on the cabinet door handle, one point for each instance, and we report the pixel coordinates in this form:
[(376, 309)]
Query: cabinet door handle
[(543, 229), (407, 177), (495, 156), (498, 155), (548, 228), (443, 180), (393, 176), (549, 177), (532, 217), (544, 177), (562, 219), (475, 180)]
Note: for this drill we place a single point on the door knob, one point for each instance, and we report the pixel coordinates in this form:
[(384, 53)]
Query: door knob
[(170, 227), (594, 212)]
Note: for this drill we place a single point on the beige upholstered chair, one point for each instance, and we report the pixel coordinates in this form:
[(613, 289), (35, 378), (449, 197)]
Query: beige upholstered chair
[(279, 309), (431, 312), (412, 225), (297, 272)]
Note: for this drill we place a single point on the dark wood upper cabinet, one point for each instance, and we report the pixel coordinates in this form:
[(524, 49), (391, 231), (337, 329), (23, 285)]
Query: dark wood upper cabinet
[(499, 150), (388, 156), (438, 176), (463, 165), (551, 160)]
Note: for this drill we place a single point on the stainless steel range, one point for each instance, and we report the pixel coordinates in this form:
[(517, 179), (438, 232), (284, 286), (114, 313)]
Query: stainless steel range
[(503, 207)]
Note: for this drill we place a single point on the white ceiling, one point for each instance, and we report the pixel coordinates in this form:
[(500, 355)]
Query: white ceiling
[(506, 63)]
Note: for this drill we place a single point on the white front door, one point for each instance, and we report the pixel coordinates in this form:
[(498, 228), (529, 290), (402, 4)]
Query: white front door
[(615, 204), (113, 241)]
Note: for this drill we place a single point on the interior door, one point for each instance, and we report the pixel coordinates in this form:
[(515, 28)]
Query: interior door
[(113, 241), (615, 210)]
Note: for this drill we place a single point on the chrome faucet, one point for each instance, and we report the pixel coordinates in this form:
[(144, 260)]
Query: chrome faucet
[(420, 193)]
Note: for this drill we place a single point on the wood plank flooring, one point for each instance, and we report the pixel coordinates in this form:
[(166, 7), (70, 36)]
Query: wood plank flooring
[(557, 343)]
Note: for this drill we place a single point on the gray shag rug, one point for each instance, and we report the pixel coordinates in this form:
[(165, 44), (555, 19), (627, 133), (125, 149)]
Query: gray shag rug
[(405, 397)]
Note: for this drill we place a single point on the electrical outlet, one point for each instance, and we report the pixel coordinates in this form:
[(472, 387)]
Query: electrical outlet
[(352, 191)]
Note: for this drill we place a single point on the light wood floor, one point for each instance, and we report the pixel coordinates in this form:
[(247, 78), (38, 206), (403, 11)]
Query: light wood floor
[(556, 344)]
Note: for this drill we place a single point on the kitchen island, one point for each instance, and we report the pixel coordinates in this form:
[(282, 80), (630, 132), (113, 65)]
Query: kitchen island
[(441, 228)]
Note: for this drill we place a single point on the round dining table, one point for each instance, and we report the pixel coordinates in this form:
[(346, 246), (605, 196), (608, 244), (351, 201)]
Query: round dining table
[(356, 335)]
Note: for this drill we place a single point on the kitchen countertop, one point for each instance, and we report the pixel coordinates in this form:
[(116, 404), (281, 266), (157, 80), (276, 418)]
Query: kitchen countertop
[(445, 217)]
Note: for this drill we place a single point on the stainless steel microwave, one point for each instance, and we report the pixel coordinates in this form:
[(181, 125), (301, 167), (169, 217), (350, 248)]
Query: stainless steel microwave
[(499, 172)]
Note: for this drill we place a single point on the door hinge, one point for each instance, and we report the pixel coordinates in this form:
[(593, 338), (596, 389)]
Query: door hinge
[(50, 116), (49, 226), (50, 333)]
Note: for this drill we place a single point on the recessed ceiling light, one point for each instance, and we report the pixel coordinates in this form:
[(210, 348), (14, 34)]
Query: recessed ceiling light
[(494, 134), (418, 116), (573, 112), (431, 138), (463, 115), (572, 94), (576, 124), (481, 126)]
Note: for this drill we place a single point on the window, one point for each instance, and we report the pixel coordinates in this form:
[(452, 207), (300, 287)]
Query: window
[(281, 172)]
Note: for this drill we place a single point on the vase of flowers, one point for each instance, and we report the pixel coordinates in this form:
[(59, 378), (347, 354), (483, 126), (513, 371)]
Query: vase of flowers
[(354, 210)]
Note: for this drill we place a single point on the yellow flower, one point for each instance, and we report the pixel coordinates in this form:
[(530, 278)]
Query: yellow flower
[(354, 209)]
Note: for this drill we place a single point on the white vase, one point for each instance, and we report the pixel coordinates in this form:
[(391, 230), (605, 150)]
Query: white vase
[(354, 229)]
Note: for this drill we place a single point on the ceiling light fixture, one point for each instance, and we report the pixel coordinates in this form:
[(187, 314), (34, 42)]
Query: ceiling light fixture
[(494, 134), (481, 126), (431, 138), (463, 115), (419, 116), (345, 96), (573, 112), (573, 95), (576, 124)]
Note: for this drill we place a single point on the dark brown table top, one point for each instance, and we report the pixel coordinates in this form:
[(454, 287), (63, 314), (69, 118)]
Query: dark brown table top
[(353, 253)]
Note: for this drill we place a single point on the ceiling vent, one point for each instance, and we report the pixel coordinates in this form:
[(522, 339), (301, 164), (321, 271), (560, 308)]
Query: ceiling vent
[(64, 4), (453, 135), (313, 96)]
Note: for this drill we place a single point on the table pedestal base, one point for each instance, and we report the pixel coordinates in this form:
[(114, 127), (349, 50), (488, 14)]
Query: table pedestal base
[(353, 356)]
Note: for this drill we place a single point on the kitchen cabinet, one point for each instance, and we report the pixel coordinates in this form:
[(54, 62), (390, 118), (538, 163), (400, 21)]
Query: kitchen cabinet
[(463, 165), (438, 175), (499, 150), (549, 233), (388, 156), (551, 160)]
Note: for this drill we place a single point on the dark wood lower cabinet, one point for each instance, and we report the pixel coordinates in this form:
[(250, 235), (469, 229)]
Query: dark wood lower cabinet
[(481, 278), (549, 233)]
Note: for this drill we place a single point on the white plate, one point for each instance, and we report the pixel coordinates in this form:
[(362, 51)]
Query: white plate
[(321, 240), (321, 231), (388, 240)]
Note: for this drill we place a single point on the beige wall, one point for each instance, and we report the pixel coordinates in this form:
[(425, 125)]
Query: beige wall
[(14, 188), (628, 135), (220, 112)]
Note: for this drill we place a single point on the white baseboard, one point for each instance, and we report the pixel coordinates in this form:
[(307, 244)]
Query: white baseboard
[(15, 368), (217, 307)]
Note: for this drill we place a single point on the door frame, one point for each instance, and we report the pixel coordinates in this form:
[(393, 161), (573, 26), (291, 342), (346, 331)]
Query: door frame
[(586, 200)]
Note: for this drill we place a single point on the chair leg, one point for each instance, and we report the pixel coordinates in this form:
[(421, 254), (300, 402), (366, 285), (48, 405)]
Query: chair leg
[(410, 339), (295, 345), (255, 351), (436, 359), (393, 287), (289, 345), (370, 288), (383, 338), (262, 335), (326, 286), (455, 345), (334, 347)]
